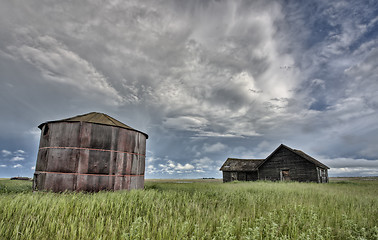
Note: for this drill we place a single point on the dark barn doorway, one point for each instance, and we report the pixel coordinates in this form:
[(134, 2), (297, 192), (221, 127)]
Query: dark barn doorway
[(285, 175)]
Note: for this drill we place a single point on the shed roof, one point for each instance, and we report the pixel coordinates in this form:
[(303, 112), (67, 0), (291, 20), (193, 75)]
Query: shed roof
[(95, 117), (298, 152), (236, 164), (309, 158)]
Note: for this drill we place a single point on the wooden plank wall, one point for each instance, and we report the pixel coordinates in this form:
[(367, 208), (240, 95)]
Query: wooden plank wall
[(300, 169), (252, 176), (241, 176), (226, 176)]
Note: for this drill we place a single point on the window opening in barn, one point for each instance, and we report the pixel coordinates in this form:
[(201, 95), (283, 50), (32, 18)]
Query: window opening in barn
[(285, 175)]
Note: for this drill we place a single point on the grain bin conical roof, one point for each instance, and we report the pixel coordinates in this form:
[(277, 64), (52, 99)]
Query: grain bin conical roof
[(95, 117)]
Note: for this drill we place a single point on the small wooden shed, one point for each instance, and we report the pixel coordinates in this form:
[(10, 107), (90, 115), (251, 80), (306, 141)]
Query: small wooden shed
[(283, 164)]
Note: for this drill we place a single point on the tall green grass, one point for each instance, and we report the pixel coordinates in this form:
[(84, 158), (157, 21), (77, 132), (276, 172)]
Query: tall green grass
[(199, 210), (14, 186)]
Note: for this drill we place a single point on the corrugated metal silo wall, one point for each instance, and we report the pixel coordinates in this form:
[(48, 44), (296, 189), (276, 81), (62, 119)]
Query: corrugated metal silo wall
[(79, 156)]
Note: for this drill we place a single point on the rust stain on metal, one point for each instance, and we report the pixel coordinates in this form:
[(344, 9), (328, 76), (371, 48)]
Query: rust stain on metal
[(91, 149), (129, 160)]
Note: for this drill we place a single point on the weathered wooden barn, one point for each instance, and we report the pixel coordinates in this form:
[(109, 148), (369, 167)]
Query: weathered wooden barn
[(283, 164), (89, 152)]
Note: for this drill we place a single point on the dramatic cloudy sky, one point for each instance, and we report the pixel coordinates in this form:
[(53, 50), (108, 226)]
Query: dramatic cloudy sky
[(206, 80)]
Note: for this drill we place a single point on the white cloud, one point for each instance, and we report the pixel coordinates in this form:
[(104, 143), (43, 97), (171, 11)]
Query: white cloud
[(187, 166), (17, 158), (176, 166), (203, 163), (352, 167), (32, 168), (6, 153), (19, 151), (170, 167), (350, 163), (185, 123), (237, 134), (171, 164), (167, 168), (3, 165), (214, 148), (17, 166), (151, 159), (353, 172)]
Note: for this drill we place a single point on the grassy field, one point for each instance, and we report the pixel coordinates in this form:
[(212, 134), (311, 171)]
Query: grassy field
[(193, 209)]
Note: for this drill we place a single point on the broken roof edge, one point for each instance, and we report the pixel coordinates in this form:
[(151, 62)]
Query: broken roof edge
[(309, 158), (238, 159), (91, 118)]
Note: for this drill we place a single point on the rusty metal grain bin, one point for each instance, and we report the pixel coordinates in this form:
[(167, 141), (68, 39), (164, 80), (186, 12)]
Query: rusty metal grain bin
[(90, 152)]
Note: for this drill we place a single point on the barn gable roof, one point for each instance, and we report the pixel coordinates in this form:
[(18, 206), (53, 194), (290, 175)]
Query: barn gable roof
[(298, 152), (236, 164), (95, 117), (309, 158)]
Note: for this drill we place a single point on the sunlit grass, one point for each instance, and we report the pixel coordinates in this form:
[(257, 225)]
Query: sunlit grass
[(194, 210)]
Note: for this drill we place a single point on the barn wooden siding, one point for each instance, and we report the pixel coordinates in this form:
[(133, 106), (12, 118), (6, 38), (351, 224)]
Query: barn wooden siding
[(82, 156), (299, 168), (285, 164), (240, 169), (240, 176)]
